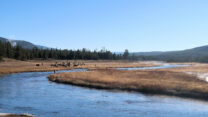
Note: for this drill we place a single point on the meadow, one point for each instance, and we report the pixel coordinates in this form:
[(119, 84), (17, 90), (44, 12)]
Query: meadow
[(8, 66), (171, 81)]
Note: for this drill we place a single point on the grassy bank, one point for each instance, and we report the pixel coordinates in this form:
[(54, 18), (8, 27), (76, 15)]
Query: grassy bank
[(15, 66), (145, 81)]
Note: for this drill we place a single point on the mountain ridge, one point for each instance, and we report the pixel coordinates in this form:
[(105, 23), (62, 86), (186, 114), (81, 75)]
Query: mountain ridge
[(22, 43), (187, 55)]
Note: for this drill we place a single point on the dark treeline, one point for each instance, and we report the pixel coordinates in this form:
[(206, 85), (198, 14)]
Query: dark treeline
[(17, 52)]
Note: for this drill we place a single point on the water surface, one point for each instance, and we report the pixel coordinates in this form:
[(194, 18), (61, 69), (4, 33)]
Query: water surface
[(33, 93), (164, 66)]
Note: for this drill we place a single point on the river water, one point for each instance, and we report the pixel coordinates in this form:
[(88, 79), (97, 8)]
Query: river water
[(33, 93)]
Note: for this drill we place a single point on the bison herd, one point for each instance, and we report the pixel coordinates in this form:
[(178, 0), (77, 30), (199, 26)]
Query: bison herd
[(64, 64), (68, 64)]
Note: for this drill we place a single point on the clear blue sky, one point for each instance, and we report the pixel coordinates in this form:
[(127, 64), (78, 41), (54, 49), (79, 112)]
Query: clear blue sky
[(137, 25)]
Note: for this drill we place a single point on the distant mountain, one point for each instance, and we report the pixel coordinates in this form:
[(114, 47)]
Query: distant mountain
[(24, 44), (153, 53), (193, 54)]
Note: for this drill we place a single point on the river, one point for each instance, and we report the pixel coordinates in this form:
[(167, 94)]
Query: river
[(32, 93)]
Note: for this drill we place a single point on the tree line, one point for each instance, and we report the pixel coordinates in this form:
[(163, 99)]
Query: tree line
[(19, 53)]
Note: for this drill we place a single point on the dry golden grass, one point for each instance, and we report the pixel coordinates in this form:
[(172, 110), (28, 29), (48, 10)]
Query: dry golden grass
[(194, 67), (106, 64), (146, 81), (15, 66)]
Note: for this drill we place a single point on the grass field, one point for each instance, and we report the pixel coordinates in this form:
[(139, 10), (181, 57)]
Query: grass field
[(14, 66), (146, 81), (200, 70)]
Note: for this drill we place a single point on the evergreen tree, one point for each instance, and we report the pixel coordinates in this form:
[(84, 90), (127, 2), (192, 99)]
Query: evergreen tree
[(18, 53), (7, 50), (126, 54), (1, 50)]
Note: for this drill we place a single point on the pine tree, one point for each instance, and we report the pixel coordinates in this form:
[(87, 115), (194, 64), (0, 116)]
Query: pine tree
[(18, 53), (1, 50), (126, 54), (9, 50)]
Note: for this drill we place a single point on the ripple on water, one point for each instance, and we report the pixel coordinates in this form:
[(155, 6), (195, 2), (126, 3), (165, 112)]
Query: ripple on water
[(25, 108), (136, 102)]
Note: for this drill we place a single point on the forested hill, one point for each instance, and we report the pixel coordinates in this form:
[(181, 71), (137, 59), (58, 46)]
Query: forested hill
[(198, 54), (23, 44), (18, 52)]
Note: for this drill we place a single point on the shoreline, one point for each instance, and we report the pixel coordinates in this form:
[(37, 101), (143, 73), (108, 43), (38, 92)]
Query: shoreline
[(174, 93), (10, 66), (154, 88), (15, 115), (1, 75)]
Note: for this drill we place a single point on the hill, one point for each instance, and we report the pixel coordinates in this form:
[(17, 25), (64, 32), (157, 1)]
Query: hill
[(24, 44), (153, 53), (188, 55)]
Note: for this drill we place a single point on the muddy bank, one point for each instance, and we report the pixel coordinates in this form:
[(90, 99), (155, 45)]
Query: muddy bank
[(148, 82), (15, 115)]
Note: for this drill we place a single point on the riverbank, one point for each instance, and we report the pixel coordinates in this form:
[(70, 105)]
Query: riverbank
[(145, 81), (102, 74), (15, 115), (200, 70), (15, 66)]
